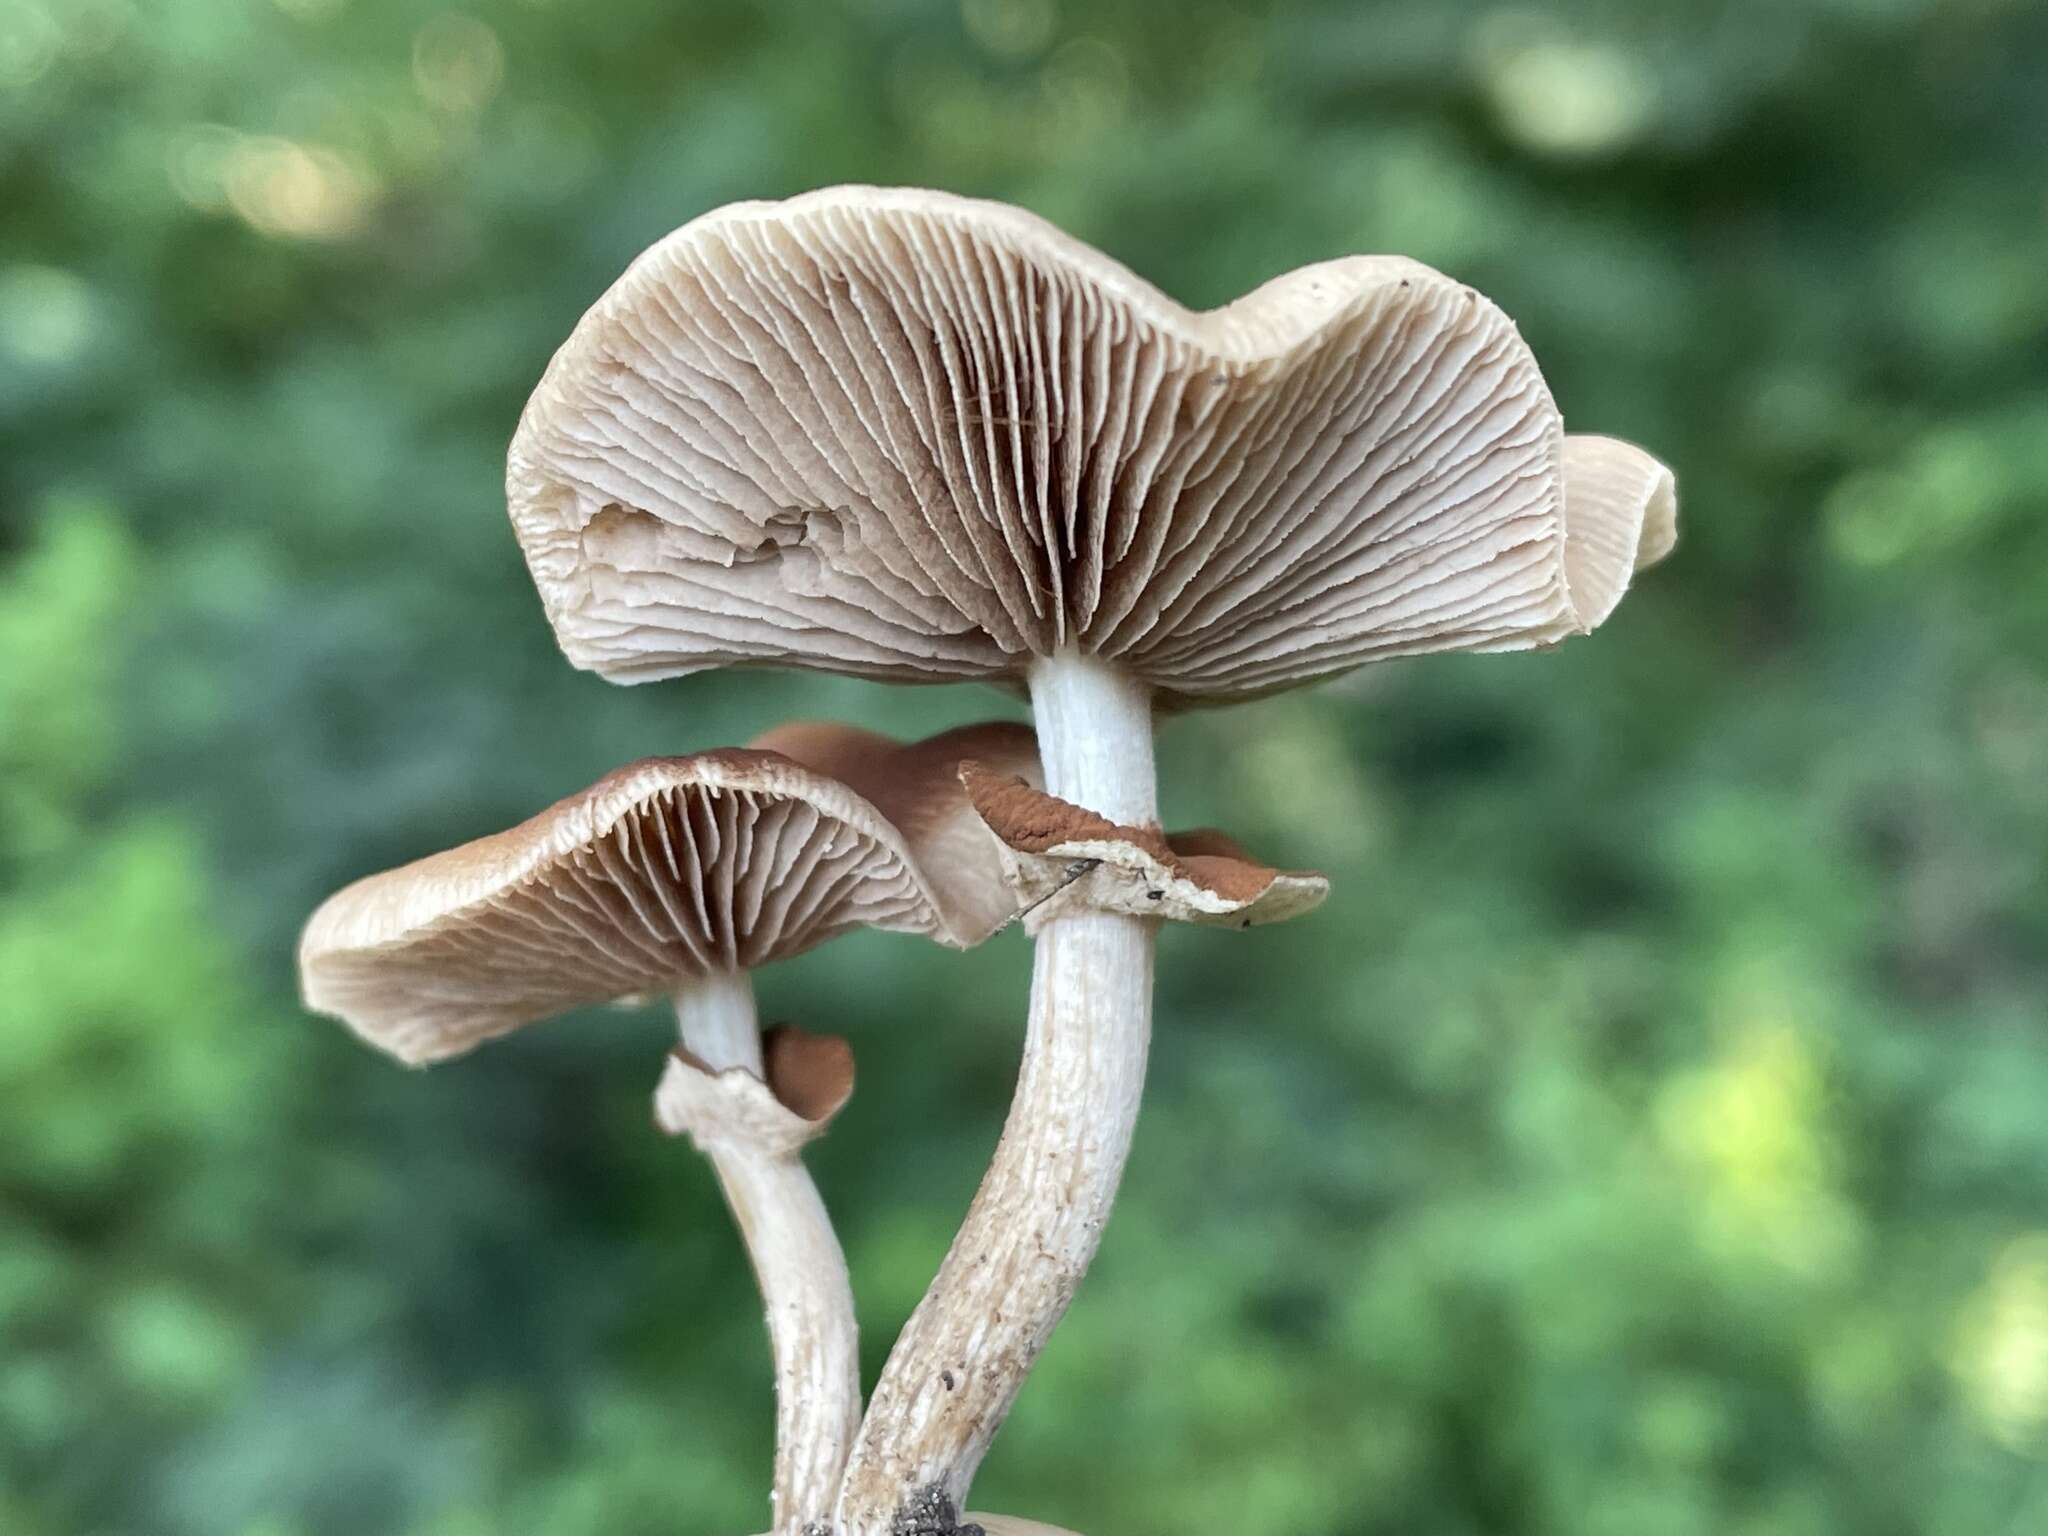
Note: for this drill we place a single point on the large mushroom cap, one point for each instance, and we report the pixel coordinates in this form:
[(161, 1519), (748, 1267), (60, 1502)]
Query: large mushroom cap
[(916, 436), (666, 869)]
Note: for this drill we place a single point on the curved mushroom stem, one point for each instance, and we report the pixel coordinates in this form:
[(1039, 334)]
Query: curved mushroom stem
[(1037, 1219), (798, 1262)]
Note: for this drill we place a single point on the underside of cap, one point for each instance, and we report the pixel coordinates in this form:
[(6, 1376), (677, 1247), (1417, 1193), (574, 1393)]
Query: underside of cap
[(916, 787), (914, 436), (668, 869)]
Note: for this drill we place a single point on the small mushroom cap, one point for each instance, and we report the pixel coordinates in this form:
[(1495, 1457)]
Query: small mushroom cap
[(666, 869), (809, 1079), (1058, 856), (915, 436)]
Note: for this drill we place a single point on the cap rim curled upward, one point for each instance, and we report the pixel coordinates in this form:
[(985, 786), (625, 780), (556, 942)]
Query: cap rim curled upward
[(914, 436)]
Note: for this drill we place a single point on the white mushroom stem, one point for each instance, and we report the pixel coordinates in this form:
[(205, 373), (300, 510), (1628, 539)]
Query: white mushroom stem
[(1038, 1217), (716, 1018), (1094, 727), (797, 1260)]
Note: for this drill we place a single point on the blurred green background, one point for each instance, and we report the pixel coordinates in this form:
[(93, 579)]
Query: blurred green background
[(1649, 1138)]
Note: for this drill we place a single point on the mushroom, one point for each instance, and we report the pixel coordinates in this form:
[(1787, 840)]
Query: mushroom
[(681, 874), (916, 437)]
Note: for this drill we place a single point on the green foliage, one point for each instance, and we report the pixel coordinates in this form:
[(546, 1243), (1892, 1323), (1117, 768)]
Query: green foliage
[(1647, 1137), (127, 1068)]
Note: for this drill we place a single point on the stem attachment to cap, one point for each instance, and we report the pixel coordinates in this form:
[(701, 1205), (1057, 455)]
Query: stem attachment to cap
[(1038, 1217), (719, 1091)]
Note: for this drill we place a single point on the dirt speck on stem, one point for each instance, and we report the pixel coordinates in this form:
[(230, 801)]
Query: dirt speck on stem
[(928, 1512)]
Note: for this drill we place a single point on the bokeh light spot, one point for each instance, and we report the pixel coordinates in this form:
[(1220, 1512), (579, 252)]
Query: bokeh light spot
[(1010, 29), (299, 191), (2001, 1354), (1753, 1125), (197, 160), (46, 314), (1559, 95), (29, 42), (457, 63)]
